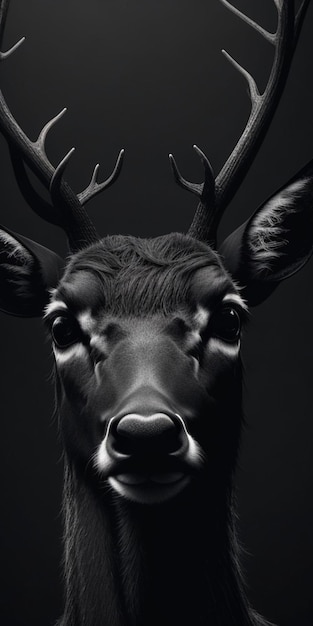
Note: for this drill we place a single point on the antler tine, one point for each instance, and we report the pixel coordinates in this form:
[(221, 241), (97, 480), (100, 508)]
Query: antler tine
[(204, 191), (56, 180), (94, 187), (181, 181), (269, 36), (254, 92), (263, 107), (41, 141), (5, 55)]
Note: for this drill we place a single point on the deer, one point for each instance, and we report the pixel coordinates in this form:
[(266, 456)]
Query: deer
[(146, 337)]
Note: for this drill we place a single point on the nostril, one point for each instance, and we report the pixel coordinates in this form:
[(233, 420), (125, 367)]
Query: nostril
[(138, 434)]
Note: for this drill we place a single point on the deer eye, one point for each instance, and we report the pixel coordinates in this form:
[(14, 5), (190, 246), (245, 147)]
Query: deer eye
[(65, 331), (226, 324)]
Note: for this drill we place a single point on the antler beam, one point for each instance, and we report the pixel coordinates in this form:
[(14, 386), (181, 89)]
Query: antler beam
[(67, 210), (263, 106)]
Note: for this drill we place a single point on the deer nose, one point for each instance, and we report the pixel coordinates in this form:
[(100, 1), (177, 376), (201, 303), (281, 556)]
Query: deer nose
[(136, 434)]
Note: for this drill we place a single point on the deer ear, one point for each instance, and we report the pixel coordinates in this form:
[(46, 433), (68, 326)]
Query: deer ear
[(275, 242), (27, 272)]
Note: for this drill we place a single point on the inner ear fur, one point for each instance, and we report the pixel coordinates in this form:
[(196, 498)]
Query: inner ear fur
[(275, 242), (27, 272)]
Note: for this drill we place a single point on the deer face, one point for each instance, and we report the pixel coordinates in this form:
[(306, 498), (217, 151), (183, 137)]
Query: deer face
[(141, 352), (146, 340), (146, 333)]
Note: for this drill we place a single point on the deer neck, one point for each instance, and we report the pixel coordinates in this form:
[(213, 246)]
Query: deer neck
[(133, 565)]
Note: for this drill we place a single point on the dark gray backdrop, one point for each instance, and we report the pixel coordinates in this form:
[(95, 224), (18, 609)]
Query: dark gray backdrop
[(148, 75)]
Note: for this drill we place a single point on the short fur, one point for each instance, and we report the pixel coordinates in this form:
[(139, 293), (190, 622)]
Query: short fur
[(136, 276)]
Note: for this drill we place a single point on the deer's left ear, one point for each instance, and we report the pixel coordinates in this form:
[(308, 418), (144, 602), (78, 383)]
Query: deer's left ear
[(275, 242), (27, 272)]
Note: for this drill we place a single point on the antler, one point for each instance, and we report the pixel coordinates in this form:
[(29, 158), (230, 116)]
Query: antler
[(263, 106), (67, 208)]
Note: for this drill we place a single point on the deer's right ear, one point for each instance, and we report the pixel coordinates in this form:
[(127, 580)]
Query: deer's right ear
[(275, 242), (27, 272)]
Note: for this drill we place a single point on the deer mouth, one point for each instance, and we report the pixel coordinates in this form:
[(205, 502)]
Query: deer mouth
[(158, 478), (149, 488), (148, 459)]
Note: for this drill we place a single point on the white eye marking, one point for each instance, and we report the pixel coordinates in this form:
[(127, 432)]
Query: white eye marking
[(56, 305), (99, 342), (86, 321), (235, 298), (201, 317), (77, 351), (217, 345), (193, 339)]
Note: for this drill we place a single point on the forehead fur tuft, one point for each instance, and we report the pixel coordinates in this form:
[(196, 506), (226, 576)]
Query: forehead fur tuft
[(135, 276)]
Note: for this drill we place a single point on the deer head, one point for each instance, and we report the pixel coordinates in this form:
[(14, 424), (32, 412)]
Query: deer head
[(146, 333)]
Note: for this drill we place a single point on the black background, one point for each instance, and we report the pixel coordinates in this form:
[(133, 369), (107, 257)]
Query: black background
[(148, 75)]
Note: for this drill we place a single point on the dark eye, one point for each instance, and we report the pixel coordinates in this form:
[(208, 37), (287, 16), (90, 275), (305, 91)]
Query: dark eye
[(65, 331), (226, 324)]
